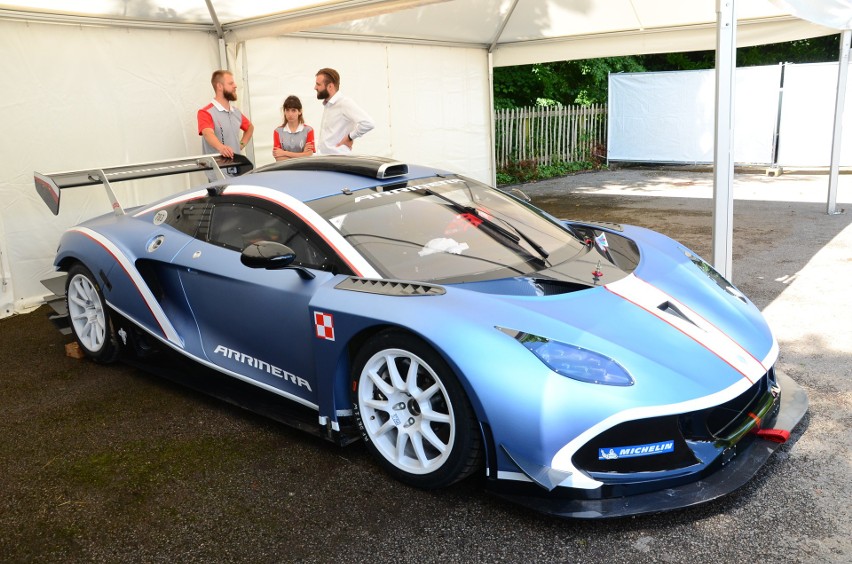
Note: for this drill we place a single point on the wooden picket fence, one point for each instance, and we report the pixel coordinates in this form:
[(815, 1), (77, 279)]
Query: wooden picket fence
[(545, 135)]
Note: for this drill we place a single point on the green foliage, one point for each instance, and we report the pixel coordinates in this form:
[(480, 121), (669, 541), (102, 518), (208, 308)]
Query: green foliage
[(521, 171), (505, 178), (586, 82), (561, 83), (518, 172), (516, 87)]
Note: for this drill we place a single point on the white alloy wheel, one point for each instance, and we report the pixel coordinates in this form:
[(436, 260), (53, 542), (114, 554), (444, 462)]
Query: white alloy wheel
[(406, 411), (87, 313), (89, 316), (413, 412)]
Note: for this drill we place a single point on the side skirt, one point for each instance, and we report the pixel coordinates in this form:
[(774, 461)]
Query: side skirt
[(148, 355)]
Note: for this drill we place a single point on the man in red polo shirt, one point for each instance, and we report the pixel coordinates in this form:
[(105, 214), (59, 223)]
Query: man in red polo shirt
[(221, 125)]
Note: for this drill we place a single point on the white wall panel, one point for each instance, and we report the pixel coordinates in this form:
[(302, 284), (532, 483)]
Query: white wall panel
[(668, 116), (281, 66), (807, 117), (440, 108), (430, 104), (661, 117)]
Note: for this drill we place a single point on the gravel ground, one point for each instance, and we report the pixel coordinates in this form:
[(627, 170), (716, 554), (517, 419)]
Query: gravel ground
[(110, 464)]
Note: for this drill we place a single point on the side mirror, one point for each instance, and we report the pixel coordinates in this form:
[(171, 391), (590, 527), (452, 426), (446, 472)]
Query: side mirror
[(272, 256), (267, 254)]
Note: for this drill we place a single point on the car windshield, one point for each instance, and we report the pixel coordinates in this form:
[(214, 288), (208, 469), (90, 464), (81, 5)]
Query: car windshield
[(448, 230)]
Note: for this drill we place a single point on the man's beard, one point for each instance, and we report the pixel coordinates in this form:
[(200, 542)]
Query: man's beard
[(322, 94), (230, 96)]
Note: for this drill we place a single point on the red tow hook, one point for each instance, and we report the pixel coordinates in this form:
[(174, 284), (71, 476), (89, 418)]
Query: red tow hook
[(774, 435)]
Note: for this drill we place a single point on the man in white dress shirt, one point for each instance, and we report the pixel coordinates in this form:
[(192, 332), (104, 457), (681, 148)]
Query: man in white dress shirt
[(343, 120)]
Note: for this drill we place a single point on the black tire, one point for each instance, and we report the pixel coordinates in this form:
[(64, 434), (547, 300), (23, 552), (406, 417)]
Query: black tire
[(423, 433), (89, 315)]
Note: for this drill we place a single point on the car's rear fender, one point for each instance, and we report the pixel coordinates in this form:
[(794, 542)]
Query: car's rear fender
[(115, 272)]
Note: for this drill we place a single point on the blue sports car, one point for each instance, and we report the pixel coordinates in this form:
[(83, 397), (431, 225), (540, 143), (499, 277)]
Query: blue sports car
[(585, 370)]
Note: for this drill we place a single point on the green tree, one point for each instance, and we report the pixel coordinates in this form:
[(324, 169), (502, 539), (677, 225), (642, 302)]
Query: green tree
[(562, 82), (586, 82)]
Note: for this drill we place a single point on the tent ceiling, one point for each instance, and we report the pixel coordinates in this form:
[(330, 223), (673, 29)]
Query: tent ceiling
[(517, 31), (174, 11)]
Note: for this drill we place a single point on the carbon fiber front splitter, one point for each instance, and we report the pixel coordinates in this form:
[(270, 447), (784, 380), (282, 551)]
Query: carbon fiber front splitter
[(731, 476)]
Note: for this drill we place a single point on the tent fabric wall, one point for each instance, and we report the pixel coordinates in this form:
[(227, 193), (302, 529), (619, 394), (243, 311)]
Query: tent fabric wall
[(82, 97), (669, 116), (441, 108), (430, 104), (87, 97)]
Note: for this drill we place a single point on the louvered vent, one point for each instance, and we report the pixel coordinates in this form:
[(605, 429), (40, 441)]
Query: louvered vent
[(390, 287)]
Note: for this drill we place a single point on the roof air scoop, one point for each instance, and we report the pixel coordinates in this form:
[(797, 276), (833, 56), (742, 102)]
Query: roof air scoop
[(371, 167)]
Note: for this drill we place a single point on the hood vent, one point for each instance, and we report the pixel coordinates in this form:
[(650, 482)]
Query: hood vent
[(672, 309), (557, 287)]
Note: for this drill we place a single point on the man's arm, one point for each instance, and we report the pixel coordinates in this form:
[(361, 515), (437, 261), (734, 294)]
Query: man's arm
[(248, 131), (205, 129), (214, 142), (361, 120)]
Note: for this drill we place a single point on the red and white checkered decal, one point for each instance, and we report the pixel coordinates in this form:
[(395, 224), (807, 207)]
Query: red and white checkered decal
[(324, 324)]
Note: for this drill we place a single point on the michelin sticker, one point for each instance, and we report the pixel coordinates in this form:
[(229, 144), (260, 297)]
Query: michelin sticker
[(614, 453)]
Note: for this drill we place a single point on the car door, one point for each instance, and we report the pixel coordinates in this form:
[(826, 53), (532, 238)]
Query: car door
[(255, 323)]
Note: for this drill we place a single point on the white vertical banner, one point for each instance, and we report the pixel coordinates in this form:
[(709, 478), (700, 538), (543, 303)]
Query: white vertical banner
[(668, 117)]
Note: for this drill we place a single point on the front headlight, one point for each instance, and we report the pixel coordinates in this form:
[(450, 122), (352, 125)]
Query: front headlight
[(572, 361)]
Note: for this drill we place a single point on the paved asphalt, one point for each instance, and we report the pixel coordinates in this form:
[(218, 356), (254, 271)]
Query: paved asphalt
[(111, 464)]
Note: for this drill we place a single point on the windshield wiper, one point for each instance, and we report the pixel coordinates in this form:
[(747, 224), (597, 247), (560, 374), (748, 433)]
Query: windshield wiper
[(514, 237), (462, 208), (530, 241)]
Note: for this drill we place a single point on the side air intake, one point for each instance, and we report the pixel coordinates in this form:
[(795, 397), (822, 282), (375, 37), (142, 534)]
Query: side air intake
[(390, 287)]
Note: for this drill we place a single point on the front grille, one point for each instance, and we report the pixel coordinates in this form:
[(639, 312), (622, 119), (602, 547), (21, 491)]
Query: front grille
[(718, 428), (593, 456), (726, 422)]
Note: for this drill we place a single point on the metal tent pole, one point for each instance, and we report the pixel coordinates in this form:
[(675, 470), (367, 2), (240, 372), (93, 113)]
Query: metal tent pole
[(842, 75), (723, 158)]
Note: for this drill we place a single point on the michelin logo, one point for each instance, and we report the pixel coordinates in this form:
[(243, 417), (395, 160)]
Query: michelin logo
[(614, 453)]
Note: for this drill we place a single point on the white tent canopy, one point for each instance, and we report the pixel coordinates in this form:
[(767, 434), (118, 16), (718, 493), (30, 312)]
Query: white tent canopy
[(516, 31), (119, 81)]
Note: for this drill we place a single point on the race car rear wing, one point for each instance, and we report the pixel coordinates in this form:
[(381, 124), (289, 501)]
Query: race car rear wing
[(50, 186)]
